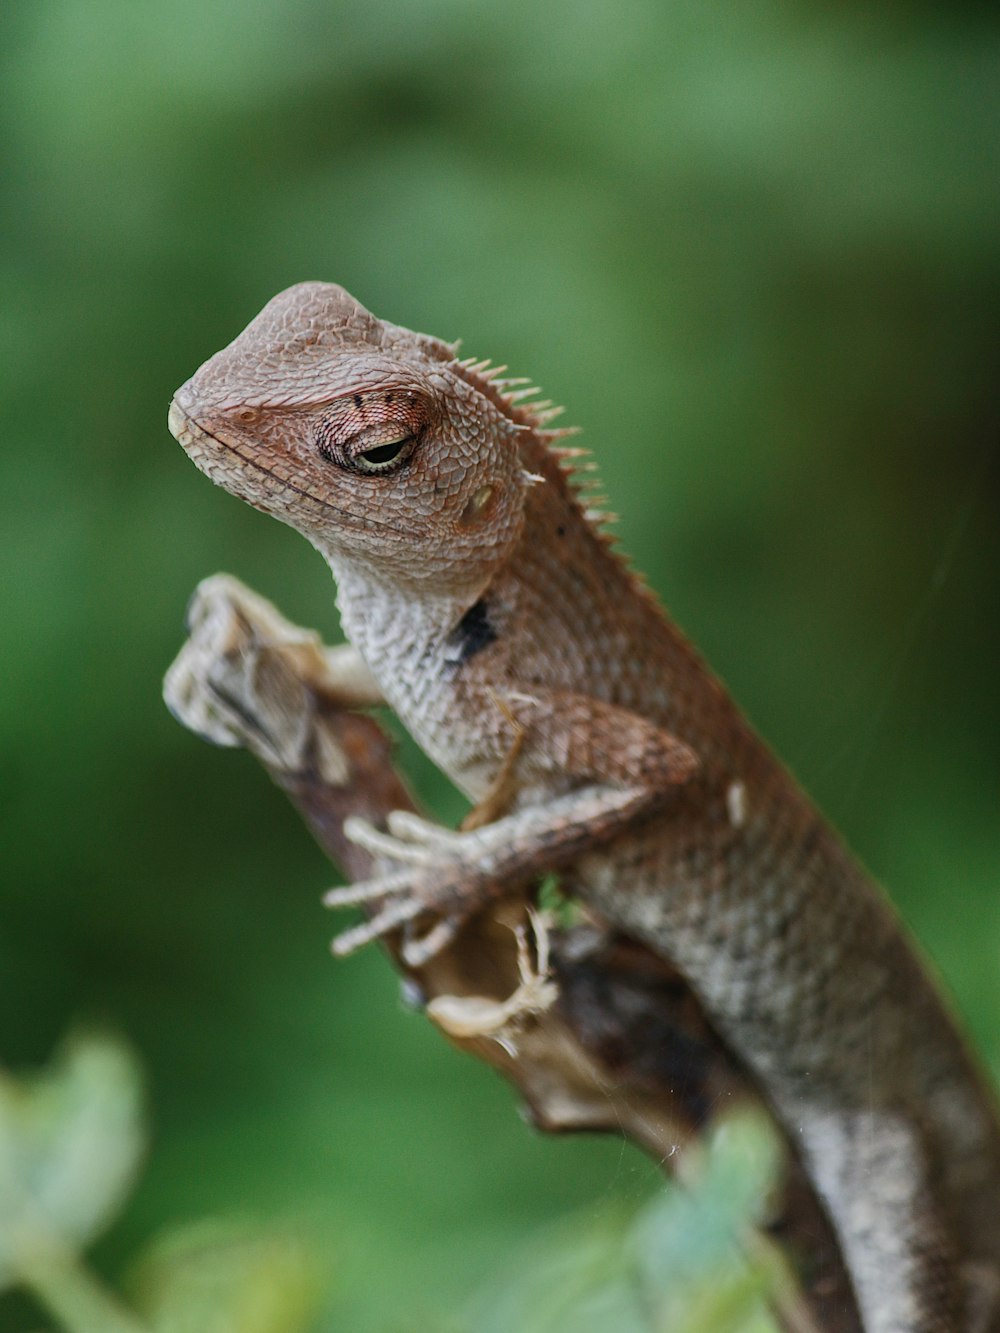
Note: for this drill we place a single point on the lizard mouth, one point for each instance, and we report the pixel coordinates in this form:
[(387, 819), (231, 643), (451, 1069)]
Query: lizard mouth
[(226, 462), (178, 423)]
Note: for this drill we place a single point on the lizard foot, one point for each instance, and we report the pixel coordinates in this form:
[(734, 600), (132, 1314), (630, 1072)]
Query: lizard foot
[(451, 875), (422, 868)]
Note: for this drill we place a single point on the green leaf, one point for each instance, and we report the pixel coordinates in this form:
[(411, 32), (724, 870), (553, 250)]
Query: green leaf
[(71, 1141), (227, 1277), (678, 1267), (688, 1246)]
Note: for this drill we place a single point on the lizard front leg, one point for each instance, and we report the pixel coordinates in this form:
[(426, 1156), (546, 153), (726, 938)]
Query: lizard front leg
[(618, 766)]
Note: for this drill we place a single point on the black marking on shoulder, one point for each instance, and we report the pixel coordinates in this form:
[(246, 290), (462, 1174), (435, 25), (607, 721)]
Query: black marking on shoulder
[(471, 635)]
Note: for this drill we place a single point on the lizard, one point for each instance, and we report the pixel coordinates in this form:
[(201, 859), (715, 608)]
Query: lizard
[(484, 602)]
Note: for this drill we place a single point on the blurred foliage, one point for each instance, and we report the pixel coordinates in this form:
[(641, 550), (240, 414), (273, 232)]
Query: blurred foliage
[(70, 1140), (70, 1147), (228, 1277), (70, 1143), (677, 1267), (754, 250)]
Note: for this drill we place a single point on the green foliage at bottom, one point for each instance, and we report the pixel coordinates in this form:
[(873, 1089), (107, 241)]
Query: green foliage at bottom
[(678, 1266), (71, 1138)]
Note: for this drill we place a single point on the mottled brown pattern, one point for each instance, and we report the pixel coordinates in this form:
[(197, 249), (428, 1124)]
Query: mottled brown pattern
[(637, 777)]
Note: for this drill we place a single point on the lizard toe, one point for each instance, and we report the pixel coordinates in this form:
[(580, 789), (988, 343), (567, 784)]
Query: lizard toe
[(382, 923), (387, 845)]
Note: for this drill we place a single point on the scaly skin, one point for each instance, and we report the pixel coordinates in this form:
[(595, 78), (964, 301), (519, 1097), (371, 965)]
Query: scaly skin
[(538, 672)]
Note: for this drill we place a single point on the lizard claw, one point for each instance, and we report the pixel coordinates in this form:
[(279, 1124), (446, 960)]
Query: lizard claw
[(367, 890), (426, 869), (412, 828), (395, 914), (421, 949), (388, 845)]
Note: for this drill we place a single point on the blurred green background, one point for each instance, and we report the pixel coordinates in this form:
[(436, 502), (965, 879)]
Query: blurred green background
[(753, 248)]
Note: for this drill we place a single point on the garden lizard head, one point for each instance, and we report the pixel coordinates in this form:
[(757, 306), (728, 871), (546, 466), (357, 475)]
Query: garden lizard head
[(375, 443)]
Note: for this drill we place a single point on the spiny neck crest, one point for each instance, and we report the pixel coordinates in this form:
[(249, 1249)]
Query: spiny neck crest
[(575, 468)]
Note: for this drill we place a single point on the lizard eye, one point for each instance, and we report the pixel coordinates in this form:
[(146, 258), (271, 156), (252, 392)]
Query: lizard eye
[(371, 433), (382, 457)]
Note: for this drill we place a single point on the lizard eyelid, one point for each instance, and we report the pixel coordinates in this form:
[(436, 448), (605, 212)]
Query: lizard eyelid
[(385, 456), (372, 433), (379, 448)]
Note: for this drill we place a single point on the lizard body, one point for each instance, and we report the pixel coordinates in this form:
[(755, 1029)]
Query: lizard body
[(537, 671)]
